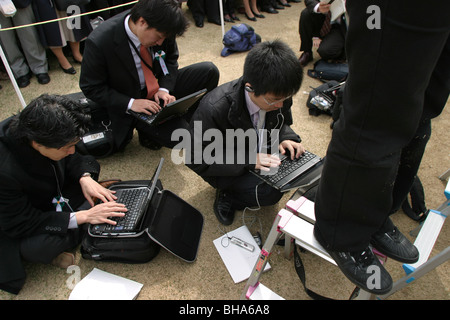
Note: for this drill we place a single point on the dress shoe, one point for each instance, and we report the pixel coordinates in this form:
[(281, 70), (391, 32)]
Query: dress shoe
[(285, 4), (43, 78), (251, 19), (228, 19), (148, 143), (395, 245), (305, 58), (223, 208), (258, 15), (198, 22), (235, 18), (70, 70), (215, 21), (269, 10), (23, 81), (64, 260), (277, 6)]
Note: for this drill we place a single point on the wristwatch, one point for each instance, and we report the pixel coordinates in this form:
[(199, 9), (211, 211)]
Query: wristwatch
[(86, 174)]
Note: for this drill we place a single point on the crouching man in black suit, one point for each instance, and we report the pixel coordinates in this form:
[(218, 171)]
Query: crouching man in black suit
[(46, 188), (130, 62)]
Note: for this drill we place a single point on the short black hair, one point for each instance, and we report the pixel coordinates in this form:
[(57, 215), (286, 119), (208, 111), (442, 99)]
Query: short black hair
[(51, 120), (165, 16), (272, 67)]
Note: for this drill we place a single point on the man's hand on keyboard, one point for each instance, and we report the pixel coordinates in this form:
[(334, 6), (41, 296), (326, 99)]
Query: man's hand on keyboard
[(145, 106), (266, 161), (101, 213), (93, 190), (294, 149)]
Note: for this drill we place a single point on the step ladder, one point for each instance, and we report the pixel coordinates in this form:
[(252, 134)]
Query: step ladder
[(296, 223)]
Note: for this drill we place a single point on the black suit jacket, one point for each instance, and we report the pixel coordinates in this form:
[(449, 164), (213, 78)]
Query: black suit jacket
[(27, 187), (109, 76)]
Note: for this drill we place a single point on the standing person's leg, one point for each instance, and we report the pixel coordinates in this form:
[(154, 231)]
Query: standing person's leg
[(383, 104)]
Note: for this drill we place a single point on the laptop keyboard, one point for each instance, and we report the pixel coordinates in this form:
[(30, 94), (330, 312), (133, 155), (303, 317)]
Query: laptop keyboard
[(145, 117), (288, 166), (133, 199)]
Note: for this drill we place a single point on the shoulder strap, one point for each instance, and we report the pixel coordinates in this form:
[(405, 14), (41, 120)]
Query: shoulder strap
[(300, 268)]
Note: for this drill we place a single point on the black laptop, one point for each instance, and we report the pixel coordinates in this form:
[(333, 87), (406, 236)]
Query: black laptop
[(291, 174), (136, 200), (173, 109)]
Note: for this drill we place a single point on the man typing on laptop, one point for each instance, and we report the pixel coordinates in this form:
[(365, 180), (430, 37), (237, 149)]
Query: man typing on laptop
[(130, 62), (261, 99), (46, 188)]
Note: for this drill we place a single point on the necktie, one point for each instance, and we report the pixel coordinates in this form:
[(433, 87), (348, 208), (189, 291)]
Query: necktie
[(326, 27), (150, 79)]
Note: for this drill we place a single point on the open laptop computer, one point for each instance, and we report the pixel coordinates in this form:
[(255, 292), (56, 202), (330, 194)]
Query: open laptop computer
[(291, 173), (137, 200), (173, 109)]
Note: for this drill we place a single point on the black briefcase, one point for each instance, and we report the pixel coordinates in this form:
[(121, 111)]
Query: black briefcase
[(170, 222)]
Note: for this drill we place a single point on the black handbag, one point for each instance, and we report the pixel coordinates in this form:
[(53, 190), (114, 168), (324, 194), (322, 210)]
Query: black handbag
[(62, 5)]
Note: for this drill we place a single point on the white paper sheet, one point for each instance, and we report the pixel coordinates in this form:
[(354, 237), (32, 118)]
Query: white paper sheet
[(239, 261), (101, 285)]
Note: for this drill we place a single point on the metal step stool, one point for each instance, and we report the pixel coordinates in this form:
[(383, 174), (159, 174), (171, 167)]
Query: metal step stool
[(297, 222)]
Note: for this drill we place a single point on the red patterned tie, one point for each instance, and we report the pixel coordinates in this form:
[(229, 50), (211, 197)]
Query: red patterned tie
[(326, 27), (150, 80)]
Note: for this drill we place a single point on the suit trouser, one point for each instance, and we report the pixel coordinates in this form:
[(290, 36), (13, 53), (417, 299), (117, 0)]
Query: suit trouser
[(331, 46), (399, 76), (33, 56), (190, 79), (246, 190)]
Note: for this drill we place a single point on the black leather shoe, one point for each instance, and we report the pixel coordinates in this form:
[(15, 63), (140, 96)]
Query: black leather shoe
[(258, 15), (23, 81), (198, 22), (70, 70), (277, 6), (305, 58), (223, 208), (148, 143), (395, 245), (285, 4), (43, 78), (215, 21), (250, 18), (269, 10), (362, 268)]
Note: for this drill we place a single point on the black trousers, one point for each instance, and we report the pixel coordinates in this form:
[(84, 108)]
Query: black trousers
[(190, 79), (332, 45), (246, 190), (398, 80)]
